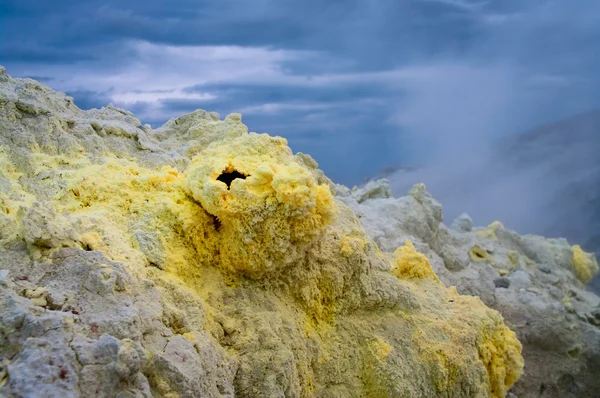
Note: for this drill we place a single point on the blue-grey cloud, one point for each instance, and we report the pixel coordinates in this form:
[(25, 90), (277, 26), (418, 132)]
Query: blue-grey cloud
[(87, 99)]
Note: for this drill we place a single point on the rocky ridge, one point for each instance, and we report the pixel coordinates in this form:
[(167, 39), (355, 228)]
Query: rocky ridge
[(202, 260)]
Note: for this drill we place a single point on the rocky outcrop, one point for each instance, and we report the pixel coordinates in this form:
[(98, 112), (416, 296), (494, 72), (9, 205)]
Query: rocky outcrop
[(537, 284), (200, 260), (544, 181)]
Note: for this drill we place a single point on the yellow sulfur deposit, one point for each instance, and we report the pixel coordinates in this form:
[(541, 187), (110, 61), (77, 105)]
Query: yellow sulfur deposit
[(350, 245), (513, 258), (250, 248), (445, 346), (478, 254), (490, 231), (380, 348), (586, 265), (267, 207), (410, 264)]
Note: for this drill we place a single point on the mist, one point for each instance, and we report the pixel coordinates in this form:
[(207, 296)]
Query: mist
[(543, 180)]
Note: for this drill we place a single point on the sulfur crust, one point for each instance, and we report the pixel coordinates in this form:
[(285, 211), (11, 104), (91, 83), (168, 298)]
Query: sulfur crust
[(380, 348), (13, 205), (278, 236), (490, 231), (478, 254), (586, 265), (276, 211), (410, 264), (351, 244), (443, 343)]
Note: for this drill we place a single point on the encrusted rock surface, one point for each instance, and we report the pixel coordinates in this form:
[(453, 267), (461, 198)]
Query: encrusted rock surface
[(537, 284), (200, 260)]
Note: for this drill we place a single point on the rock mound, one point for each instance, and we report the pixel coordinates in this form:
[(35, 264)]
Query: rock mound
[(537, 284), (200, 260)]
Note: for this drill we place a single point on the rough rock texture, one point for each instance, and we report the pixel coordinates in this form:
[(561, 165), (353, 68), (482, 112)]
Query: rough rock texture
[(200, 260), (537, 284)]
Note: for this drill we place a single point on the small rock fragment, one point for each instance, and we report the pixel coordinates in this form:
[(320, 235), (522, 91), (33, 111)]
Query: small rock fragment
[(462, 223), (502, 283), (37, 296)]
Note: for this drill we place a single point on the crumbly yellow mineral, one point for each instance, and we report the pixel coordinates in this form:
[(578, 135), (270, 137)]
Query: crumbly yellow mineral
[(446, 345), (586, 265), (490, 231), (266, 207), (410, 264), (288, 279), (479, 254)]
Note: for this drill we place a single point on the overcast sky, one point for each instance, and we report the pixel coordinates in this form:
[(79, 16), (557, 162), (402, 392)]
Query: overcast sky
[(360, 85)]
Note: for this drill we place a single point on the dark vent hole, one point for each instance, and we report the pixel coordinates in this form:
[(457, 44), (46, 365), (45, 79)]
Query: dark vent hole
[(228, 177), (216, 223)]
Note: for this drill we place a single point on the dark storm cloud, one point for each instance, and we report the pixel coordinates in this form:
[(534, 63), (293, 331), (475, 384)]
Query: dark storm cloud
[(239, 96), (360, 30)]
